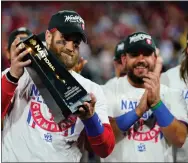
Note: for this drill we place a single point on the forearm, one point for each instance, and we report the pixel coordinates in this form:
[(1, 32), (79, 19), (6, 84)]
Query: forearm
[(100, 136), (122, 123), (8, 89), (174, 131)]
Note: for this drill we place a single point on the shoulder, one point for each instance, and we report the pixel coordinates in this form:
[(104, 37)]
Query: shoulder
[(171, 94), (172, 78), (172, 71), (111, 81)]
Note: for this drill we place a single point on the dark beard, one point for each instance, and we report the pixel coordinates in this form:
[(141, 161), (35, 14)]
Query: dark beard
[(134, 78)]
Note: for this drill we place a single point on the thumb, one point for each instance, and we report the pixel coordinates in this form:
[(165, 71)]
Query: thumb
[(159, 65), (144, 96), (93, 99)]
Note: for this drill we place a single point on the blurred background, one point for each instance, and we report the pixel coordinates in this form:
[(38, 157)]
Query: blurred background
[(106, 24)]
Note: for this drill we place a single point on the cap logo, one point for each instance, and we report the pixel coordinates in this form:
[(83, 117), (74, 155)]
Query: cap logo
[(73, 19), (21, 29), (148, 41), (138, 37), (83, 26), (120, 47)]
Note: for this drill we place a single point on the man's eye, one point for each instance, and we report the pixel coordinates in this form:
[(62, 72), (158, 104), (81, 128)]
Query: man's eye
[(76, 45)]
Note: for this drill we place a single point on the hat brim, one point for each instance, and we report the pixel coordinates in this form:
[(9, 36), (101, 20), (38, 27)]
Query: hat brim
[(69, 29)]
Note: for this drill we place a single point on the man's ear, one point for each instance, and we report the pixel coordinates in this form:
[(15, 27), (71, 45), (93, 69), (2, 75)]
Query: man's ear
[(7, 53), (124, 59), (48, 37)]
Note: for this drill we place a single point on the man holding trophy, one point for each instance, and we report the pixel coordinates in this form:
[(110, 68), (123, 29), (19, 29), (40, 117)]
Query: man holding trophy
[(38, 128)]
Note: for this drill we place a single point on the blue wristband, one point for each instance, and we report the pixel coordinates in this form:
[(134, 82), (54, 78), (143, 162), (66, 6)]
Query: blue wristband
[(163, 115), (93, 126), (126, 120)]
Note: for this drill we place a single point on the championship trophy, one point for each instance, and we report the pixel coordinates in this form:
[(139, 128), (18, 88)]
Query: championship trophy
[(59, 89)]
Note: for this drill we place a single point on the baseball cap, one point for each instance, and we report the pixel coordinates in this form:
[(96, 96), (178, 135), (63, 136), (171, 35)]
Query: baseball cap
[(68, 22), (119, 50), (139, 40), (14, 33)]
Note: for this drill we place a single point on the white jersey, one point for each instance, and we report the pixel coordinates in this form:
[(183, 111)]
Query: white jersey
[(172, 79), (110, 82), (31, 135), (143, 144)]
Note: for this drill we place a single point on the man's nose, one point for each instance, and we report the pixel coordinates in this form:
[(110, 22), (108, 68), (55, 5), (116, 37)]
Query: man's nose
[(141, 56), (69, 46)]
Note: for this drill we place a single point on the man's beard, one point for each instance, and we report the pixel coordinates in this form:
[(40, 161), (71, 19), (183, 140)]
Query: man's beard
[(68, 63), (138, 79), (134, 78)]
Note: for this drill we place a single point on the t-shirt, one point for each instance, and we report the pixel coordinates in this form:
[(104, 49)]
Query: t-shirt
[(31, 135), (172, 79), (144, 144)]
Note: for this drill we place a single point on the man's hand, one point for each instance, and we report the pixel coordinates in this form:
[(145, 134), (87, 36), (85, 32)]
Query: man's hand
[(89, 110), (159, 63), (80, 65), (152, 84), (17, 65), (143, 106)]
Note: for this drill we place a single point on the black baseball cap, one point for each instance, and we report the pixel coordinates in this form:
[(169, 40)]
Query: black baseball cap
[(68, 22), (14, 33), (119, 50), (139, 40)]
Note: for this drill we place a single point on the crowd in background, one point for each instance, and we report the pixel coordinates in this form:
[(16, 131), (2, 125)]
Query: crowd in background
[(106, 24)]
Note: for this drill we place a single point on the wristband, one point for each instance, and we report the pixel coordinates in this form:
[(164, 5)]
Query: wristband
[(126, 120), (11, 78), (156, 106), (162, 114), (93, 126)]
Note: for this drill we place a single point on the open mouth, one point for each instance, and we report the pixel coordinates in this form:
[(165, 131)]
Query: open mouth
[(140, 67)]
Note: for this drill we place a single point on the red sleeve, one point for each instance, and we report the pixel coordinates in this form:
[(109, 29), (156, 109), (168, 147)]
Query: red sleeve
[(103, 144), (7, 91)]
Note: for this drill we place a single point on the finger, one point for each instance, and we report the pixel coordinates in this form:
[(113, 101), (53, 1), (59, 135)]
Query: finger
[(81, 110), (149, 81), (144, 95), (86, 104), (157, 51), (152, 76), (158, 66), (25, 63), (16, 42), (84, 62), (22, 55), (81, 59), (147, 86), (17, 51), (93, 99)]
